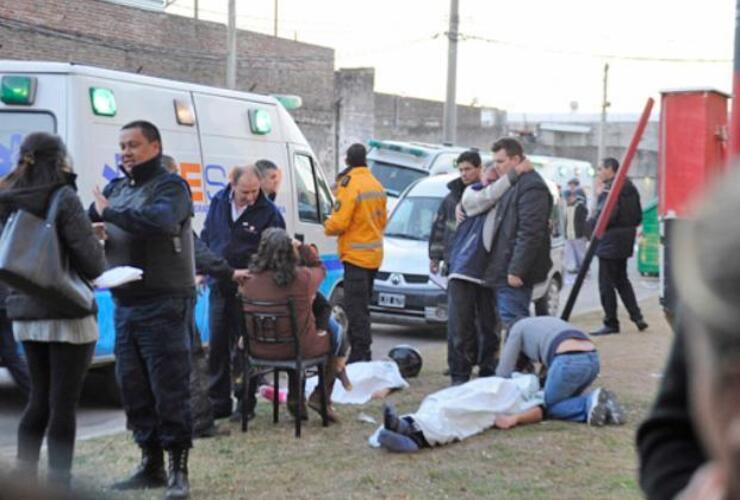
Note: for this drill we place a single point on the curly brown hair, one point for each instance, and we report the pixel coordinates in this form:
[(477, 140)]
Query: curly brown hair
[(277, 255)]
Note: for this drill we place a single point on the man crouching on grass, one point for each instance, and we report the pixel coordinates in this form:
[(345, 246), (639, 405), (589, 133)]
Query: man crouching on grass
[(572, 364), (458, 412)]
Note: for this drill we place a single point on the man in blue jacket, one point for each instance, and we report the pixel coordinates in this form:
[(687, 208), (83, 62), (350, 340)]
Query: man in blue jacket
[(236, 218), (147, 216)]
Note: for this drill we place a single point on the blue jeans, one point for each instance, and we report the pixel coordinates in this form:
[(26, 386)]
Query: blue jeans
[(338, 347), (567, 377), (512, 303)]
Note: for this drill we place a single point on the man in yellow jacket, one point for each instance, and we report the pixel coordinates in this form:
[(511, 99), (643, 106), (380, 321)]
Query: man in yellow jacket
[(358, 219)]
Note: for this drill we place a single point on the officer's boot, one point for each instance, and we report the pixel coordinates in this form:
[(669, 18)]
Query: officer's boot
[(178, 485), (330, 376), (149, 474)]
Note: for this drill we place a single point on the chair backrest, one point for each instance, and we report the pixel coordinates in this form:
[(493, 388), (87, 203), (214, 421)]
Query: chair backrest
[(262, 322)]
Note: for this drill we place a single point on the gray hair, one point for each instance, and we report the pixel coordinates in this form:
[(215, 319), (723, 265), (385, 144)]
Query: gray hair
[(265, 166), (237, 172), (169, 164)]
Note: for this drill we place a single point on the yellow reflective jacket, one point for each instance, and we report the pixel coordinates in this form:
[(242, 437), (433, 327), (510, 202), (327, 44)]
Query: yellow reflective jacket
[(358, 218)]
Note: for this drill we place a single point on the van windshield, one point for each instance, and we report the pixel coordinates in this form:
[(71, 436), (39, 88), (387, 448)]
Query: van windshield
[(393, 177), (14, 126), (413, 217)]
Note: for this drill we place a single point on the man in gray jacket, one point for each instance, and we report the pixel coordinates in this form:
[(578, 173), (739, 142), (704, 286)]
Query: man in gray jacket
[(572, 364)]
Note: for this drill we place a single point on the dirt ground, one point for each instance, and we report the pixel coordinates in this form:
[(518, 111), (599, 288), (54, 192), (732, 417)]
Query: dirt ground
[(547, 460)]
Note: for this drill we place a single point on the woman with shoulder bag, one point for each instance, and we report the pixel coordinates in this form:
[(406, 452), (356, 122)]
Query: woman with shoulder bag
[(58, 344)]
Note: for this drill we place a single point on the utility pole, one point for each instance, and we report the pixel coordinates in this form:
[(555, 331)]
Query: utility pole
[(275, 29), (602, 125), (449, 131), (195, 8), (231, 47)]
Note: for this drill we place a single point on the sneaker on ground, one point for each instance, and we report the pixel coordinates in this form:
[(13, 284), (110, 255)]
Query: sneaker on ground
[(597, 408), (615, 414)]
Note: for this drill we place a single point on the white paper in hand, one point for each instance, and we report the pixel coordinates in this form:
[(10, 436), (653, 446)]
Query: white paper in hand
[(118, 276)]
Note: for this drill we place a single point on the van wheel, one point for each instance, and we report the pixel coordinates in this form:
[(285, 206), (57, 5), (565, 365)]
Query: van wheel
[(549, 303), (337, 304)]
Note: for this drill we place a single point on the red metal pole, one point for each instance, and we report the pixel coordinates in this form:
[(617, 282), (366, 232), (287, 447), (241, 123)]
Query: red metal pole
[(735, 113), (606, 211), (611, 199)]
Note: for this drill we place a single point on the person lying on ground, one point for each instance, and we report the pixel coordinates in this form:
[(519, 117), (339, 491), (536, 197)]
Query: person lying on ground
[(571, 363), (459, 412)]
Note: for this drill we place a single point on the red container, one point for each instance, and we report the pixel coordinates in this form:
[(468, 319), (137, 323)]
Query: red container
[(693, 146)]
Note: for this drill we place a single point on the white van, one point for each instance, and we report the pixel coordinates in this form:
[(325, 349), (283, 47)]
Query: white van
[(562, 170), (207, 130)]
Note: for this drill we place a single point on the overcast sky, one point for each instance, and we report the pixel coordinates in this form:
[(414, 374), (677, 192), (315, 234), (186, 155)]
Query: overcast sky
[(531, 55)]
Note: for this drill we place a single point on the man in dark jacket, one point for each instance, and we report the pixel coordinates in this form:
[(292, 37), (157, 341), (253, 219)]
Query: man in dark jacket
[(521, 240), (238, 215), (147, 214), (615, 247)]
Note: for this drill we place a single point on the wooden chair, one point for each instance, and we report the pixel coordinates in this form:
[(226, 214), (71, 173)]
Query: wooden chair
[(261, 327)]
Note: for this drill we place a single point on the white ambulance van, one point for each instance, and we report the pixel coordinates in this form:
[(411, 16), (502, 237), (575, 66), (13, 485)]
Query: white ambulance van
[(207, 130)]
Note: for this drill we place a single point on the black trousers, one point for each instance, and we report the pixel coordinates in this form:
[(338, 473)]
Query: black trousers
[(358, 291), (612, 280), (57, 372), (153, 371), (472, 329), (224, 321), (200, 403)]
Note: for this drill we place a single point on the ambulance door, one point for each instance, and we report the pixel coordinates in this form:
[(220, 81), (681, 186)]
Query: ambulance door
[(229, 138), (312, 204), (95, 130)]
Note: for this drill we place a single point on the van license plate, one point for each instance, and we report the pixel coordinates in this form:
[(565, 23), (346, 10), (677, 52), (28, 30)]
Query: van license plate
[(391, 300)]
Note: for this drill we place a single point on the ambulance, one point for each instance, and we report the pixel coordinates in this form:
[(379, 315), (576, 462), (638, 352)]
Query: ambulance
[(207, 130)]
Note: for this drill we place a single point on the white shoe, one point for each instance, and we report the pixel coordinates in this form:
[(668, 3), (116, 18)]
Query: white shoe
[(598, 409), (615, 414)]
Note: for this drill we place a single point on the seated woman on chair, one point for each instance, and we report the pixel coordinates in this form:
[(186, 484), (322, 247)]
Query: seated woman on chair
[(285, 269)]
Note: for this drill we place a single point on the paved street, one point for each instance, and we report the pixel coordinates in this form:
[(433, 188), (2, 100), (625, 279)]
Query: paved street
[(95, 419)]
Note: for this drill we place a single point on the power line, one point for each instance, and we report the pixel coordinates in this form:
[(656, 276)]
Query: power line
[(598, 55)]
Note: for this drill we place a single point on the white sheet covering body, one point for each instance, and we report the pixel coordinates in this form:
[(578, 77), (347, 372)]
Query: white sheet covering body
[(367, 377), (458, 412)]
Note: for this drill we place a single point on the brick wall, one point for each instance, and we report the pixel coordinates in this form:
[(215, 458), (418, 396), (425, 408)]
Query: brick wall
[(123, 38), (408, 118)]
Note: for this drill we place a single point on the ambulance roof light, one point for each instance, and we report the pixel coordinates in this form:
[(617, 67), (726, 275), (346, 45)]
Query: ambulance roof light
[(103, 101), (184, 113), (18, 89), (260, 122), (289, 102)]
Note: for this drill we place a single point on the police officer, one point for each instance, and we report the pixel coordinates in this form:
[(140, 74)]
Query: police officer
[(358, 219), (238, 215), (147, 216)]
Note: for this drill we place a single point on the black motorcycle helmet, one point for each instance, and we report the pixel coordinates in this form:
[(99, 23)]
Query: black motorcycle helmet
[(408, 360)]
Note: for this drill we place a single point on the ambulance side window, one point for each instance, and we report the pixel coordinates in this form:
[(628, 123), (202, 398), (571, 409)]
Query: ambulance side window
[(306, 191), (325, 202)]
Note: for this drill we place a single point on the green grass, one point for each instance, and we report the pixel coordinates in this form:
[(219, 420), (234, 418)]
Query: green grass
[(548, 460)]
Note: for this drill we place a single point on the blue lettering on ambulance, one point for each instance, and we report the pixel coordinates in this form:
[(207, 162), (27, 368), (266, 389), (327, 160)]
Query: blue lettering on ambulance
[(9, 153), (216, 179)]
